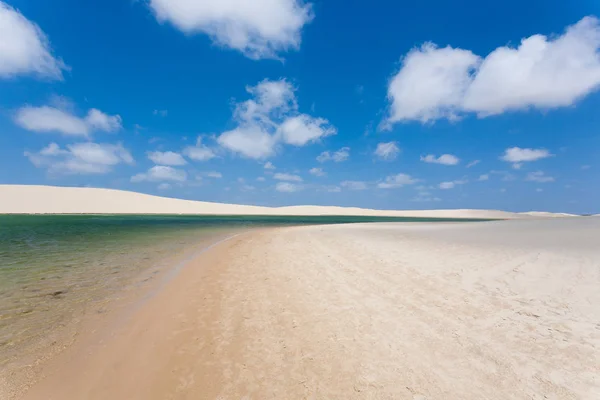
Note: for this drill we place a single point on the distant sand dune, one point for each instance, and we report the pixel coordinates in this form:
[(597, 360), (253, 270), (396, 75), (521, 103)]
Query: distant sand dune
[(21, 199)]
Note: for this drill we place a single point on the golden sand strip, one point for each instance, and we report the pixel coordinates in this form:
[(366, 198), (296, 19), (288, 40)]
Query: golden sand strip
[(505, 310)]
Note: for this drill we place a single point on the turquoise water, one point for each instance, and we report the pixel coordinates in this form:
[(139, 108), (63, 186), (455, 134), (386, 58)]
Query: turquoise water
[(52, 267)]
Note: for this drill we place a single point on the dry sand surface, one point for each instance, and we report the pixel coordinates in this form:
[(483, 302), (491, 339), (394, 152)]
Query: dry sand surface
[(31, 199), (494, 310)]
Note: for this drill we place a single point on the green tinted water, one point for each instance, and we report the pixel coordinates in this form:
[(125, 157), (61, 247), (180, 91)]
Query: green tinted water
[(53, 266)]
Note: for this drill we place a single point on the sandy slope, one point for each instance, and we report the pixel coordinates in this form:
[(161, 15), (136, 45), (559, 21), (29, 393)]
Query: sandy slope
[(63, 200), (499, 310)]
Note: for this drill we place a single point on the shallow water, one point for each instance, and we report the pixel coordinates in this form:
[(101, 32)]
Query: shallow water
[(54, 266)]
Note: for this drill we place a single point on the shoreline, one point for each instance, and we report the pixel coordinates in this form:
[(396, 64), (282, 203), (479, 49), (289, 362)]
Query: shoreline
[(403, 311), (112, 310)]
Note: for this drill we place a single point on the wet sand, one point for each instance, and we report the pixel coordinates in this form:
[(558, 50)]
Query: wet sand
[(492, 310)]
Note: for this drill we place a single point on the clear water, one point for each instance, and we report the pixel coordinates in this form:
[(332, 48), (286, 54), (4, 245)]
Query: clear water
[(54, 266)]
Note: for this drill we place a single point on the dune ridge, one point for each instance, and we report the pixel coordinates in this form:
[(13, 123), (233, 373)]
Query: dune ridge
[(34, 199)]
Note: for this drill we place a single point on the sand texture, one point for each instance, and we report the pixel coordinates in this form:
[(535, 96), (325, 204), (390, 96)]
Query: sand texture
[(30, 199), (493, 310)]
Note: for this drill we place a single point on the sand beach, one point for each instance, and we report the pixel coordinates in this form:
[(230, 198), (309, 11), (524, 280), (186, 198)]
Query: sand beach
[(494, 310)]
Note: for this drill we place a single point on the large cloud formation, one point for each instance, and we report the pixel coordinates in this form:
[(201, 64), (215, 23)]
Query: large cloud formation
[(543, 73)]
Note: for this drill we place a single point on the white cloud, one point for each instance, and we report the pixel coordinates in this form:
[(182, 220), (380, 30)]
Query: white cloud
[(160, 173), (164, 186), (483, 177), (199, 152), (261, 179), (271, 118), (387, 151), (161, 113), (473, 163), (166, 158), (258, 28), (539, 190), (80, 158), (250, 141), (99, 121), (517, 155), (542, 73), (317, 171), (396, 181), (51, 119), (287, 187), (303, 129), (444, 159), (337, 156), (539, 176), (268, 165), (451, 184), (431, 84), (214, 174), (287, 177), (332, 189), (24, 48), (506, 176), (354, 185), (425, 197)]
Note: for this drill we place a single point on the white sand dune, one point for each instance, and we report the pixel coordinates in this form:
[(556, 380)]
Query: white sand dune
[(23, 199), (548, 214), (411, 311)]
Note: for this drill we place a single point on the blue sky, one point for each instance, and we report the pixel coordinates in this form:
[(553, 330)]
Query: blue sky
[(382, 104)]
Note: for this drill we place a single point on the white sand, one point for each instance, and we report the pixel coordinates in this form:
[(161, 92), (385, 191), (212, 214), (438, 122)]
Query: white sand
[(20, 199), (493, 310)]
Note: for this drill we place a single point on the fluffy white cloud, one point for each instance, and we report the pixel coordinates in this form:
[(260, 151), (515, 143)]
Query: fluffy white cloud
[(51, 119), (287, 177), (337, 156), (517, 155), (473, 163), (258, 28), (354, 185), (444, 159), (303, 129), (540, 73), (539, 176), (287, 187), (160, 173), (166, 158), (250, 141), (199, 152), (451, 184), (387, 151), (269, 165), (271, 118), (24, 48), (431, 84), (317, 171), (80, 158), (483, 177), (99, 121), (396, 181)]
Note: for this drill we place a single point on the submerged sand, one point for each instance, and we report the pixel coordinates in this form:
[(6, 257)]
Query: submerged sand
[(494, 310)]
